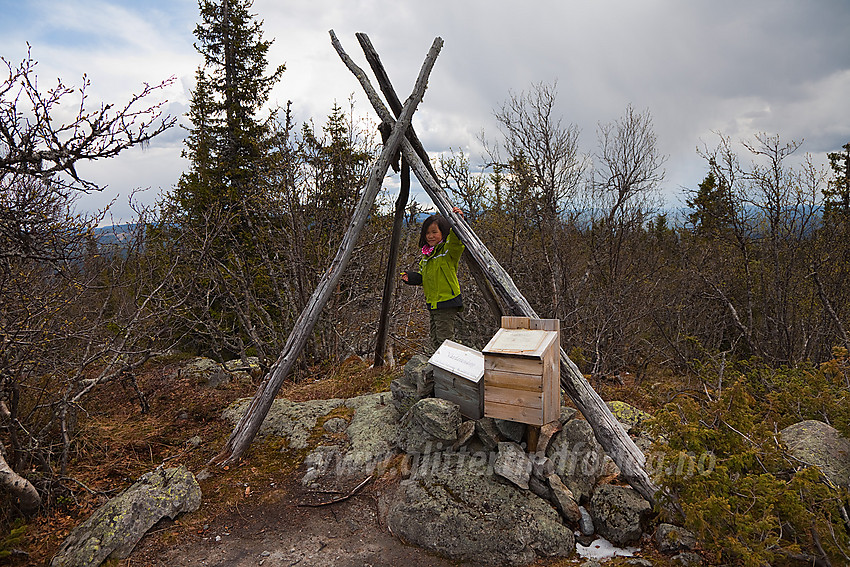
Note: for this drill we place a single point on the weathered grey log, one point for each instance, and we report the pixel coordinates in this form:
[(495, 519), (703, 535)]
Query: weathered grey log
[(18, 487), (246, 429), (392, 262), (607, 430)]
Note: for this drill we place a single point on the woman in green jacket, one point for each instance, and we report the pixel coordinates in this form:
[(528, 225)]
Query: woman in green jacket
[(441, 250)]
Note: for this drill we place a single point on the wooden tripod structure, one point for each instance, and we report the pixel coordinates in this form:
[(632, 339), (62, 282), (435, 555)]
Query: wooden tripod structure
[(497, 286)]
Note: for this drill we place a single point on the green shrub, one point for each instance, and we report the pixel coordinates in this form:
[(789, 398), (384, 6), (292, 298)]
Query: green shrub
[(13, 540), (756, 506)]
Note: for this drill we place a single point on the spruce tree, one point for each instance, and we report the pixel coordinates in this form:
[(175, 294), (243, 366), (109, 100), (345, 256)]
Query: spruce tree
[(837, 195), (227, 139), (712, 206), (215, 222)]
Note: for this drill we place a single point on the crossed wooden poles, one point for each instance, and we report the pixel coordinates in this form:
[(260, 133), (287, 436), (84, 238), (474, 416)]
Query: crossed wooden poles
[(497, 286)]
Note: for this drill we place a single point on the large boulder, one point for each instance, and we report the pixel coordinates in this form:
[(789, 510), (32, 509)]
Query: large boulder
[(205, 372), (293, 421), (619, 513), (372, 432), (454, 506), (114, 529), (670, 539), (578, 458), (430, 425), (371, 435), (815, 443)]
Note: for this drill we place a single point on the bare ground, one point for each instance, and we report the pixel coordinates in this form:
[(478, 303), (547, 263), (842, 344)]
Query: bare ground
[(280, 532)]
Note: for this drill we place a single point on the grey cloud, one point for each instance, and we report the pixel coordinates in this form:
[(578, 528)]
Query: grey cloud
[(779, 66)]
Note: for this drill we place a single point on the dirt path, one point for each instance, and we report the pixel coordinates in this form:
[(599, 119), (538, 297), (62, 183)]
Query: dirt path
[(278, 532)]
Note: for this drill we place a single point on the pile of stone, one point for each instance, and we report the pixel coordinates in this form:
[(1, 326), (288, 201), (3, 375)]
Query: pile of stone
[(475, 493)]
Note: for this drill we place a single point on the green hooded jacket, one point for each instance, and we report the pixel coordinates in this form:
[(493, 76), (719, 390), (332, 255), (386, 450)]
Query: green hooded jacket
[(438, 271)]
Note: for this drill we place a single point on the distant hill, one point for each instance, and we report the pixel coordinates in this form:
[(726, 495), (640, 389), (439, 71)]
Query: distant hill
[(115, 235)]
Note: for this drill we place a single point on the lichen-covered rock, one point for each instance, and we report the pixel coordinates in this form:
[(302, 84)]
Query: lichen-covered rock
[(619, 513), (319, 463), (540, 488), (465, 433), (419, 372), (200, 367), (578, 458), (335, 425), (244, 369), (566, 414), (403, 395), (372, 432), (415, 383), (631, 417), (541, 466), (670, 538), (513, 464), (487, 433), (114, 529), (510, 430), (816, 443), (687, 559), (563, 500), (430, 425), (206, 372), (452, 505), (293, 421)]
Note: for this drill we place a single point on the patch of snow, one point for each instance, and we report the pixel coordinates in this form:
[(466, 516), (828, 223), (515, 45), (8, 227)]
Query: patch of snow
[(601, 548)]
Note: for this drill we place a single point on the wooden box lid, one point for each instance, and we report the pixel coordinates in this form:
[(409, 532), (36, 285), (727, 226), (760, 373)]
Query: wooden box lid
[(521, 342), (460, 360)]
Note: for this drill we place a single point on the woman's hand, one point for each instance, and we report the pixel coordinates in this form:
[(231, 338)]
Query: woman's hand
[(457, 211), (404, 277)]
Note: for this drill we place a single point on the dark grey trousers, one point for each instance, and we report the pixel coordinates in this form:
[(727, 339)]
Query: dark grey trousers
[(443, 324)]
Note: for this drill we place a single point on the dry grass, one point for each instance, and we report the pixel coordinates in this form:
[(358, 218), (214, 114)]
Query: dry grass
[(353, 377)]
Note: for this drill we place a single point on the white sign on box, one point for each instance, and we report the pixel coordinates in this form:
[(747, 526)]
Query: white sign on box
[(459, 360)]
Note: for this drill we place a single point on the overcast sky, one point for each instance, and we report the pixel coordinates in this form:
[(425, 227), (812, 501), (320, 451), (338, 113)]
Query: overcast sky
[(737, 67)]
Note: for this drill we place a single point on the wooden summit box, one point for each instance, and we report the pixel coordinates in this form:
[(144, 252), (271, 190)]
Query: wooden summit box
[(522, 371), (457, 377)]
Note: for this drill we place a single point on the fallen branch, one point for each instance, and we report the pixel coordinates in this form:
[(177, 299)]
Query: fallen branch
[(354, 491)]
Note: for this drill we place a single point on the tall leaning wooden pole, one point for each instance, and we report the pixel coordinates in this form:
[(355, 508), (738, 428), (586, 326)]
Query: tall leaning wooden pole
[(606, 428), (246, 429), (392, 262)]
